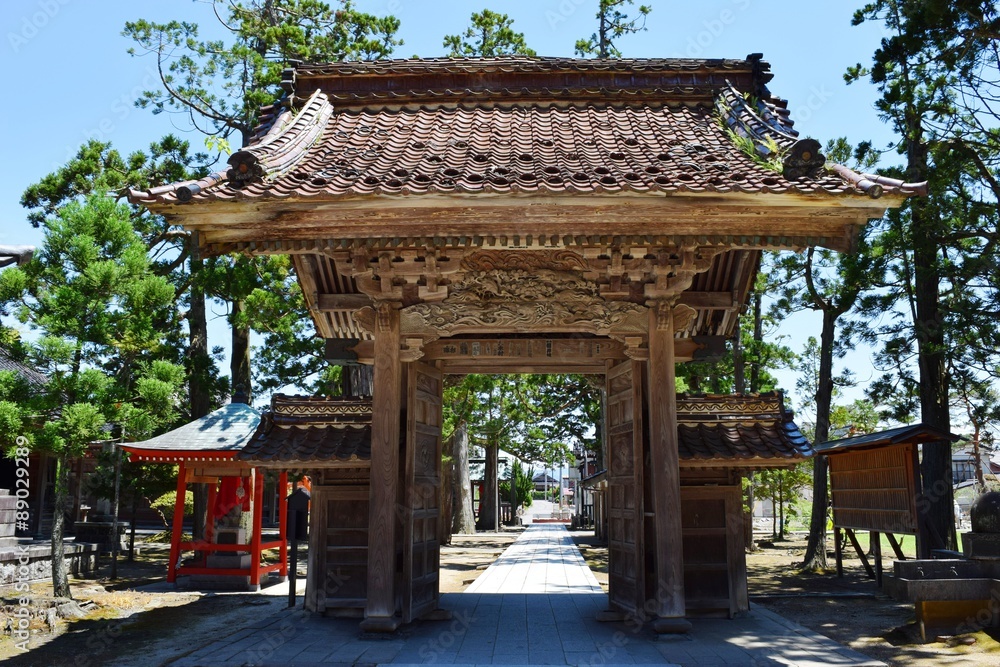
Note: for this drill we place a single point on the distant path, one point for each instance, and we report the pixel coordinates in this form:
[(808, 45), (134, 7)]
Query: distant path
[(543, 560)]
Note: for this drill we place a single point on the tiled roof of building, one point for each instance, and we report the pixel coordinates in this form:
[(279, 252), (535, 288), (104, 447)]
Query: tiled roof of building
[(753, 430), (225, 430), (525, 126), (918, 433), (301, 429), (33, 378)]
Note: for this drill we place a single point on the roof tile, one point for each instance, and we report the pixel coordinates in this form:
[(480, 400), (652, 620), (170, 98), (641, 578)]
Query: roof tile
[(487, 139)]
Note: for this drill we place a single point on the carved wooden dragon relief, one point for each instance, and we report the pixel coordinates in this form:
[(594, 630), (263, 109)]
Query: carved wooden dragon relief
[(506, 300), (513, 291)]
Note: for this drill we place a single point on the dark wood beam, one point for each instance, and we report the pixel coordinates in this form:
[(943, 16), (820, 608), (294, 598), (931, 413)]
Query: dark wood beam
[(342, 302), (464, 355), (710, 300)]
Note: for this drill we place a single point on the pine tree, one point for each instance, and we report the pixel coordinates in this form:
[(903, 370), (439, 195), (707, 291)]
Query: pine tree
[(490, 34), (613, 22)]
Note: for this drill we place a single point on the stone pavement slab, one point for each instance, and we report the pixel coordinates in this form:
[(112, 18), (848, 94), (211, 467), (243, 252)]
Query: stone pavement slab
[(525, 612)]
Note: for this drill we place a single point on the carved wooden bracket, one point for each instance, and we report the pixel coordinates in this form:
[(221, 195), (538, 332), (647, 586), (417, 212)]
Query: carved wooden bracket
[(682, 315), (673, 276), (412, 349), (636, 348)]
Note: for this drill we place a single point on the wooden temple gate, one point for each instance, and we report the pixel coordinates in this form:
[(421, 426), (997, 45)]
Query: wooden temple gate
[(523, 215)]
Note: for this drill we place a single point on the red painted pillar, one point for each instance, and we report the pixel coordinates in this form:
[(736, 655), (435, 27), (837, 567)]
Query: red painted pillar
[(283, 520), (175, 537), (257, 519)]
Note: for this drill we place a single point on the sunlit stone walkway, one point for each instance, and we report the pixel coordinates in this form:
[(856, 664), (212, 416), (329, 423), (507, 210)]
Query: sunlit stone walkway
[(543, 560), (536, 605)]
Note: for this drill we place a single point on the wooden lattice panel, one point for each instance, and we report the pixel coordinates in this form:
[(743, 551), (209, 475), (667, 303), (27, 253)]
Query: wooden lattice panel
[(875, 489)]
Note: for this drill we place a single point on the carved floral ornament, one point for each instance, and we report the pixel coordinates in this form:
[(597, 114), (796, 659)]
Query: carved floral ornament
[(518, 301)]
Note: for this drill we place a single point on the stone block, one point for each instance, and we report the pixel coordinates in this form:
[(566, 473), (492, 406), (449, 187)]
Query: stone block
[(228, 560)]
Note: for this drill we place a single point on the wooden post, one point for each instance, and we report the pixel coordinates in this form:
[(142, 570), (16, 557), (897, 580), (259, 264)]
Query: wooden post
[(257, 511), (175, 536), (380, 607), (283, 521), (877, 555), (665, 471)]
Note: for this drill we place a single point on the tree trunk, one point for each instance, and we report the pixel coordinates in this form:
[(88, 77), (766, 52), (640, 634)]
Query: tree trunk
[(758, 338), (781, 513), (463, 520), (977, 460), (239, 365), (602, 30), (488, 503), (938, 502), (198, 361), (131, 531), (60, 578), (199, 366), (356, 380), (446, 493), (815, 558)]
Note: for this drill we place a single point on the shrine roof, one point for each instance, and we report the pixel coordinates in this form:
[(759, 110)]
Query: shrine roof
[(219, 434), (739, 430), (311, 431), (913, 433), (732, 430), (34, 379), (525, 126)]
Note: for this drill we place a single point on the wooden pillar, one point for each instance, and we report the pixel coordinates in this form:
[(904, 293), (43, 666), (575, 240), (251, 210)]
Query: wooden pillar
[(283, 520), (213, 490), (380, 607), (876, 542), (257, 518), (175, 536), (665, 471)]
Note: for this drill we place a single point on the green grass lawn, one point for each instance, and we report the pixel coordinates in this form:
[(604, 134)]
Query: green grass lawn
[(907, 542)]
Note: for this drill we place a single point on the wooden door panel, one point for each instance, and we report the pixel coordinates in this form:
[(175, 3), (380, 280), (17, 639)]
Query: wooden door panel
[(714, 559), (625, 473), (422, 480)]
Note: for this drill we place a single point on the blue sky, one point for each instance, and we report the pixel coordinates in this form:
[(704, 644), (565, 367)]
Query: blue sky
[(69, 77)]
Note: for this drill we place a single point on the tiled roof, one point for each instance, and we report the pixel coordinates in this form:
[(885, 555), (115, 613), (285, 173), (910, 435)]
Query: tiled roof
[(527, 127), (309, 430), (749, 429), (919, 433), (753, 430), (15, 254), (226, 430), (33, 378)]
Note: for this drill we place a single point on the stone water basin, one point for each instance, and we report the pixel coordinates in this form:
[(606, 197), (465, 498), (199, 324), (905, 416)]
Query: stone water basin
[(951, 596)]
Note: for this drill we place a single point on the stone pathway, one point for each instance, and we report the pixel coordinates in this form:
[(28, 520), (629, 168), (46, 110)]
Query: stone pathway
[(536, 605), (542, 560)]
